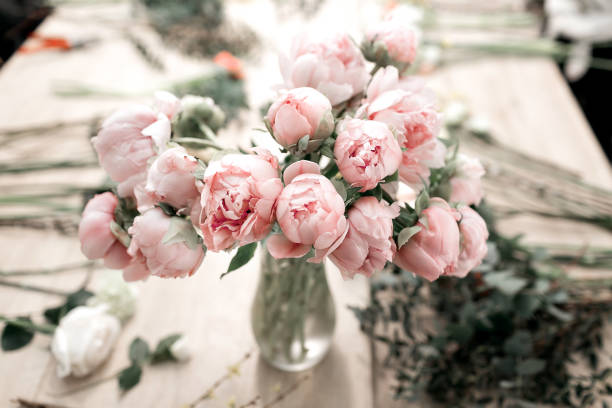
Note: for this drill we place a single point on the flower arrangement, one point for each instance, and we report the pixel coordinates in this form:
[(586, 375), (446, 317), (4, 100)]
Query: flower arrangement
[(360, 160)]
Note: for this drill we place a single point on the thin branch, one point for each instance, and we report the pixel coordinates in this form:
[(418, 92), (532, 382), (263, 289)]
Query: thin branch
[(33, 288), (25, 403), (283, 394), (50, 271)]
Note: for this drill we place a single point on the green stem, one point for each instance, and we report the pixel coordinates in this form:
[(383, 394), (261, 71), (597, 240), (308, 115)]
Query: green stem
[(197, 142), (61, 164), (24, 324), (49, 271), (33, 288)]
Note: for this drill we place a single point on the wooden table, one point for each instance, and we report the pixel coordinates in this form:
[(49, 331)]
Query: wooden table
[(527, 102)]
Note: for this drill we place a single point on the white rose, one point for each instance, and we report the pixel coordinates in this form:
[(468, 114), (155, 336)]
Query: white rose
[(180, 349), (83, 340)]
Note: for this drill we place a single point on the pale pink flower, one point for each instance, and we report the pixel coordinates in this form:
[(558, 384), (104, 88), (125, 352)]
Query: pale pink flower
[(434, 250), (238, 199), (170, 178), (166, 103), (474, 235), (171, 260), (310, 213), (397, 39), (97, 240), (369, 243), (388, 79), (333, 65), (466, 185), (414, 169), (128, 139), (366, 152), (300, 112)]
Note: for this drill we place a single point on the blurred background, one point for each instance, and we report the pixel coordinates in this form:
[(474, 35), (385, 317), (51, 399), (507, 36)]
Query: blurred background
[(582, 29)]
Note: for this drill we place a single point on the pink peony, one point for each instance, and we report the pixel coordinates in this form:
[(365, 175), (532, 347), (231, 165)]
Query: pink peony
[(474, 235), (334, 66), (388, 79), (434, 250), (97, 240), (310, 213), (171, 260), (166, 103), (366, 152), (300, 112), (238, 199), (417, 162), (369, 243), (466, 186), (126, 142), (170, 178), (392, 41)]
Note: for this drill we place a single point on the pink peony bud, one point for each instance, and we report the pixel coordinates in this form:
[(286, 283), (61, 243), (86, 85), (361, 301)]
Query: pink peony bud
[(434, 250), (466, 186), (310, 213), (334, 66), (170, 178), (300, 112), (171, 260), (369, 243), (366, 152), (238, 199), (97, 240), (474, 235), (392, 42)]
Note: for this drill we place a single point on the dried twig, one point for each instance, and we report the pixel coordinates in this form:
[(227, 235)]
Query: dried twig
[(25, 403)]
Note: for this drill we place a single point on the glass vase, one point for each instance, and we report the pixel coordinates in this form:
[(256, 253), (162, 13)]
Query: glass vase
[(293, 315)]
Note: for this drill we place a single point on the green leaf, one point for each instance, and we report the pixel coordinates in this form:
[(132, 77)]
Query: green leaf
[(302, 144), (162, 350), (15, 337), (167, 209), (559, 314), (327, 151), (267, 123), (391, 178), (139, 351), (130, 377), (530, 366), (505, 281), (242, 257), (407, 233), (519, 344), (340, 188), (460, 332), (78, 298), (526, 304), (181, 230), (422, 201)]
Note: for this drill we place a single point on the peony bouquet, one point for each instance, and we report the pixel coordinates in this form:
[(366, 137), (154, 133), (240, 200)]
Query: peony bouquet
[(361, 176)]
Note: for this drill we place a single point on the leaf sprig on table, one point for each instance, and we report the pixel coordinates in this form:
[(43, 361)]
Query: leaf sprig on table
[(510, 331)]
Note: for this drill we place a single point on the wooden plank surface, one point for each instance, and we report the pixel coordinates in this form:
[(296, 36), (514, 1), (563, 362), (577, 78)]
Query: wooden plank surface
[(531, 108)]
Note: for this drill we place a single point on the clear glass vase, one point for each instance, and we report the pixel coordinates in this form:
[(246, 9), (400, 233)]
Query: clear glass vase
[(293, 315)]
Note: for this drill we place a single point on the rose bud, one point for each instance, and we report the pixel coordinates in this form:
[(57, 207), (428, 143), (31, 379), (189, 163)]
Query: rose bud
[(166, 260), (196, 111), (474, 235), (392, 42), (238, 199), (434, 250), (170, 178), (414, 169), (369, 243), (366, 152), (310, 213), (334, 66), (300, 112), (128, 139), (97, 239), (466, 186), (83, 340)]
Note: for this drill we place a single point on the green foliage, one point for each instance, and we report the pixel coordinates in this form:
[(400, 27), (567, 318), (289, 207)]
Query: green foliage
[(139, 351), (79, 298), (162, 350), (15, 336), (130, 377), (242, 257), (504, 333)]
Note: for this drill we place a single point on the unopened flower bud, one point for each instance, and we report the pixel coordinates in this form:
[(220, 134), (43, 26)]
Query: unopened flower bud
[(195, 112)]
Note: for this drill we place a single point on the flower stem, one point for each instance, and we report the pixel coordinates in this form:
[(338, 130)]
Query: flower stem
[(33, 288), (49, 271), (24, 324), (88, 385), (197, 142)]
